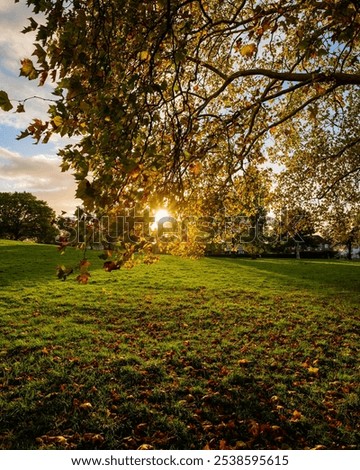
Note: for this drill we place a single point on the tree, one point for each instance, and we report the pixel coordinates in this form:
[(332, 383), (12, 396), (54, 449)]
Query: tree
[(322, 174), (343, 228), (323, 163), (23, 216), (173, 97)]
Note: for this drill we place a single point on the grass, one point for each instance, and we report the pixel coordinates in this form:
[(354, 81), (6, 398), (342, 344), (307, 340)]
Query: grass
[(182, 354)]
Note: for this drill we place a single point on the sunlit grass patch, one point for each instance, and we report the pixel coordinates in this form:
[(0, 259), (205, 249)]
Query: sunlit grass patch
[(180, 354)]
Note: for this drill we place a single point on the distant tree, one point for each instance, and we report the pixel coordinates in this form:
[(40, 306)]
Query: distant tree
[(23, 216), (292, 228), (343, 228)]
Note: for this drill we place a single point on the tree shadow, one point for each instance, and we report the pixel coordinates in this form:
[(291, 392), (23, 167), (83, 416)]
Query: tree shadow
[(338, 277)]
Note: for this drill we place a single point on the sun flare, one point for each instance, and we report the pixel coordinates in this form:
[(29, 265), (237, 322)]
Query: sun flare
[(160, 214)]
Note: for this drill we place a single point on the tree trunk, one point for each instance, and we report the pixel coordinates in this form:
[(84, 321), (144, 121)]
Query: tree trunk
[(349, 247)]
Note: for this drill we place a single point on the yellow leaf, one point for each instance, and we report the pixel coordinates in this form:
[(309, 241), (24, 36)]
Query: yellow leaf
[(58, 120), (144, 55), (240, 445), (27, 67), (85, 406), (313, 370), (243, 362), (296, 416), (60, 439), (248, 50)]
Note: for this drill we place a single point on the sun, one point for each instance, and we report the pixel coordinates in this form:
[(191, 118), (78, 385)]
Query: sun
[(160, 214)]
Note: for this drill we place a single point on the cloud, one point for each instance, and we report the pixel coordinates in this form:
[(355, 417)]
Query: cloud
[(39, 175), (20, 168), (15, 46)]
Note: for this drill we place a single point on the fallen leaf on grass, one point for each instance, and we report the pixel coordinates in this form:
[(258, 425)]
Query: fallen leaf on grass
[(145, 447), (83, 278), (243, 362), (254, 428), (45, 439), (93, 438), (85, 406), (223, 445), (296, 416)]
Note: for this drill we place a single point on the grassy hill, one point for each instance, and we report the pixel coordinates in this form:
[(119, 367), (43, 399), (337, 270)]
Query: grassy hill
[(182, 354)]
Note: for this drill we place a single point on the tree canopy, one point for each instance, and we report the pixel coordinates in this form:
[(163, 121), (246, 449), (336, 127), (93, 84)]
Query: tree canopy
[(24, 216), (184, 100)]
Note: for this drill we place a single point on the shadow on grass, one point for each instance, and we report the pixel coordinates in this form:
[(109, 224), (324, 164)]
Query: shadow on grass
[(31, 264), (340, 277), (25, 262)]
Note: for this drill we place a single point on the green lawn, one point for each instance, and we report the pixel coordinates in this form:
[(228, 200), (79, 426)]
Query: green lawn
[(182, 354)]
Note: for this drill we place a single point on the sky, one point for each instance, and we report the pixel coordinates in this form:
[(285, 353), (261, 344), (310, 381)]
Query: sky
[(25, 166)]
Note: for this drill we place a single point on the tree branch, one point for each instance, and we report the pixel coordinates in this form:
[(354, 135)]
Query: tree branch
[(340, 78)]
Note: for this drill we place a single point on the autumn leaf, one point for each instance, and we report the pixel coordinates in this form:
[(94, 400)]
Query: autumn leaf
[(196, 168), (248, 50), (144, 55), (57, 121), (83, 278), (320, 89), (110, 266), (84, 263), (63, 272), (60, 440), (93, 438), (296, 416), (145, 447), (223, 445), (254, 428), (243, 362), (85, 406), (28, 70), (20, 108)]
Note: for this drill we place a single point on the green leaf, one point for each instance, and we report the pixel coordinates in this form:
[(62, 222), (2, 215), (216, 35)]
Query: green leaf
[(5, 104)]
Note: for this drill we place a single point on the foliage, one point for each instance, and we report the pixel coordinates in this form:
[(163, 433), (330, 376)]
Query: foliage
[(172, 100), (123, 245), (344, 230), (329, 157), (23, 216), (183, 354)]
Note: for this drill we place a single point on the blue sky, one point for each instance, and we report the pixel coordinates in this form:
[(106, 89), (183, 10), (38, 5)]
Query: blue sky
[(23, 165)]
